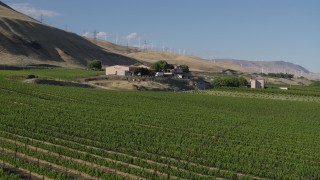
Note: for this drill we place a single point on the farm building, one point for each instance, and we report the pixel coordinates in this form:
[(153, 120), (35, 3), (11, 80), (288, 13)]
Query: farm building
[(118, 70), (176, 70), (121, 70), (257, 82)]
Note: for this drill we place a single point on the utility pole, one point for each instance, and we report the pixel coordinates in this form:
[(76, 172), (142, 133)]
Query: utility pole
[(145, 45), (41, 18), (139, 42), (95, 35)]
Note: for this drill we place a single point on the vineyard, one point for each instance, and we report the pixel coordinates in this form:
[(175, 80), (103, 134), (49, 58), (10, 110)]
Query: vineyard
[(295, 94), (54, 132)]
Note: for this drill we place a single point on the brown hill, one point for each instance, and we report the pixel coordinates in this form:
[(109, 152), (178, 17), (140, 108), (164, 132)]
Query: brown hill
[(195, 63), (115, 48), (150, 56), (25, 41), (199, 64)]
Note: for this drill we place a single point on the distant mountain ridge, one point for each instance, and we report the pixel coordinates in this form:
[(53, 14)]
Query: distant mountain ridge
[(267, 66)]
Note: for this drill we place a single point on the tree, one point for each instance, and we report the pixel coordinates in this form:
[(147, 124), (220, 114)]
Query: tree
[(95, 65), (142, 71), (185, 68), (160, 65), (281, 75), (242, 81)]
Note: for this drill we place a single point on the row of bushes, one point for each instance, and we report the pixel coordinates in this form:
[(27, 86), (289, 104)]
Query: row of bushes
[(230, 82), (281, 75)]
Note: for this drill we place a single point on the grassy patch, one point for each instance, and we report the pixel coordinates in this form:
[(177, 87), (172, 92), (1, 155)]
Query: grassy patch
[(60, 74)]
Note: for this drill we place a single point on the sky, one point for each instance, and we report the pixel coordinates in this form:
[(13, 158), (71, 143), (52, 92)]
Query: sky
[(260, 30)]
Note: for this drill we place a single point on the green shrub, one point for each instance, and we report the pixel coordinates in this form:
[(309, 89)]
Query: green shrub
[(185, 68), (281, 75), (142, 71), (230, 82), (160, 65), (95, 65)]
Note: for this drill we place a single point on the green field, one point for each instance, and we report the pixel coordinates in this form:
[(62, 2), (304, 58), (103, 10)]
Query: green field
[(59, 74), (65, 133)]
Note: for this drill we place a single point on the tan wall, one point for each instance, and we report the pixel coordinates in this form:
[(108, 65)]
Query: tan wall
[(253, 84), (113, 70), (261, 82), (257, 83)]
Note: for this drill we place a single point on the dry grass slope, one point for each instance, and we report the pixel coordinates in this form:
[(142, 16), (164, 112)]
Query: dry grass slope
[(150, 56), (26, 41)]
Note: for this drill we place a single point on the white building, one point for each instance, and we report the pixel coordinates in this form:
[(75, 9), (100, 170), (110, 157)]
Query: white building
[(118, 70), (257, 82)]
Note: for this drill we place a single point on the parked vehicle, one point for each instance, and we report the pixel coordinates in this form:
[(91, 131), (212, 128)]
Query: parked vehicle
[(159, 74)]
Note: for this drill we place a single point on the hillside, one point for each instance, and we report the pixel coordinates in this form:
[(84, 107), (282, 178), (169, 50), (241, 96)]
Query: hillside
[(195, 63), (25, 41), (199, 64), (115, 48)]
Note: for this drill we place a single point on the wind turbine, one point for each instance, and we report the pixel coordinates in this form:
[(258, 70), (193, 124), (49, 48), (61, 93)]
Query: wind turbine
[(116, 39), (139, 39)]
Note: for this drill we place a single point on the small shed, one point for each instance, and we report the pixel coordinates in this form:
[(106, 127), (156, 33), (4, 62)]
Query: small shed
[(257, 82)]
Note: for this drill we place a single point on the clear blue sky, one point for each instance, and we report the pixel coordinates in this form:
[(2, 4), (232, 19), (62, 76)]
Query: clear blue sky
[(287, 30)]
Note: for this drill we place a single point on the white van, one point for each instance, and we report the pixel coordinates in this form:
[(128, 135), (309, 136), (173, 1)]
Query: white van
[(159, 74)]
